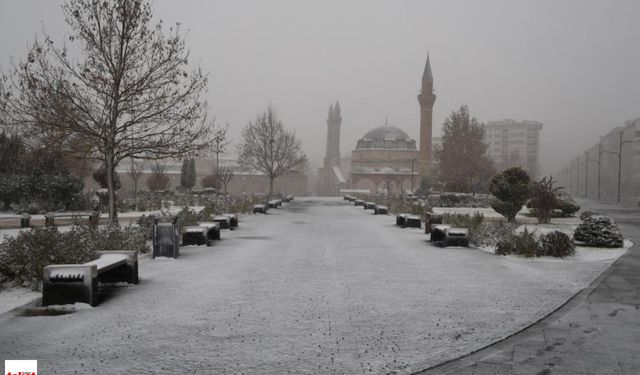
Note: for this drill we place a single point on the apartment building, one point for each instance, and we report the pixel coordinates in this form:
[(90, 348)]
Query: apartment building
[(514, 144)]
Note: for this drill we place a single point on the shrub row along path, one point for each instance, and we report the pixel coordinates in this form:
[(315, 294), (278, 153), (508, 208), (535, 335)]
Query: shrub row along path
[(597, 332), (317, 286)]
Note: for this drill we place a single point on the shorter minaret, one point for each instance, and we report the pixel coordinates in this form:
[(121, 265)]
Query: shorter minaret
[(332, 155), (426, 98)]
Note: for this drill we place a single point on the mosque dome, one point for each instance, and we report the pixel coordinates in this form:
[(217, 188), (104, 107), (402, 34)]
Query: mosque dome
[(386, 137)]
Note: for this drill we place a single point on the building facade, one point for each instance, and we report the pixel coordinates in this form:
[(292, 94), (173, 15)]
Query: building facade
[(385, 161), (608, 170), (243, 182), (514, 143)]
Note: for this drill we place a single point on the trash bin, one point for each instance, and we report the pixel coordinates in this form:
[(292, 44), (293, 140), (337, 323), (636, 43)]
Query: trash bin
[(166, 240), (49, 220), (25, 220)]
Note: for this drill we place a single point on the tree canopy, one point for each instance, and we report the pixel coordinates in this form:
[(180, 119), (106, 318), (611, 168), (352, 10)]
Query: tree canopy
[(125, 86), (269, 148), (462, 160)]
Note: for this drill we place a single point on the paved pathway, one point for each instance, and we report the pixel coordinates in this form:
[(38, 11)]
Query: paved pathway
[(598, 332), (316, 287)]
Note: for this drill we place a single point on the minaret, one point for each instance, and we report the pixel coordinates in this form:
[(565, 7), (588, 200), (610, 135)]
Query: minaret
[(332, 155), (426, 98)]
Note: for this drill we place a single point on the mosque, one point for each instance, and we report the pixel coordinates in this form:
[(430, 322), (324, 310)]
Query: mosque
[(385, 159)]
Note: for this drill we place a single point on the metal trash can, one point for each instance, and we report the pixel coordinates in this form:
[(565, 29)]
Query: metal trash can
[(49, 220), (166, 240), (25, 220)]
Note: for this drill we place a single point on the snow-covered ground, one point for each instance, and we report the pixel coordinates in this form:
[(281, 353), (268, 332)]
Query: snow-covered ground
[(12, 297), (318, 286)]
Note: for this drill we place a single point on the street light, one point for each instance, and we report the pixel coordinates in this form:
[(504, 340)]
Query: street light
[(619, 155), (586, 178)]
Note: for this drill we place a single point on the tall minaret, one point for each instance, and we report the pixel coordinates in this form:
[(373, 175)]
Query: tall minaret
[(426, 98), (332, 156)]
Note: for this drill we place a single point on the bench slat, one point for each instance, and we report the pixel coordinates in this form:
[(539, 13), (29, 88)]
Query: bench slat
[(108, 262)]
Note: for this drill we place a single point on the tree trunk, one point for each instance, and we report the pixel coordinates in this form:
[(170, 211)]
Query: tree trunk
[(271, 178), (113, 213), (135, 193)]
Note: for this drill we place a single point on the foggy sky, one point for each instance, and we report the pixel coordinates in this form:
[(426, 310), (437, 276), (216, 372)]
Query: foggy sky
[(573, 65)]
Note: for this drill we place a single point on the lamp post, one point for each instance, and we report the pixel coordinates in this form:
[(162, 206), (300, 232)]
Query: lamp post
[(621, 142), (586, 179)]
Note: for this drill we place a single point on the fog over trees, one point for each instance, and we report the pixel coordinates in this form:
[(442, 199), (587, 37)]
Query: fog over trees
[(571, 65)]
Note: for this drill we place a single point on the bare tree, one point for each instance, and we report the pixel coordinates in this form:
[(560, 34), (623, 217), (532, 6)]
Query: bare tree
[(268, 148), (158, 179), (225, 175), (220, 143), (135, 172), (129, 92)]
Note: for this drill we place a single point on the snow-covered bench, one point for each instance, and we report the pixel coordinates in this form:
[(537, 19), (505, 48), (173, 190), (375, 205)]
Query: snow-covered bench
[(369, 205), (401, 219), (431, 220), (233, 220), (380, 210), (358, 202), (70, 283), (260, 208), (223, 220), (445, 235), (201, 234)]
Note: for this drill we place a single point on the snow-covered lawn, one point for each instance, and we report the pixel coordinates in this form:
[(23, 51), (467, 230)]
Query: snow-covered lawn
[(12, 297), (318, 286)]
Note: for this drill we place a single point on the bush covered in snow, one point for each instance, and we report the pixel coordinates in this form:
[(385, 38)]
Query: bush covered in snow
[(459, 200), (598, 231), (472, 222), (585, 214), (512, 189), (524, 243), (568, 207), (556, 244), (22, 258), (494, 231)]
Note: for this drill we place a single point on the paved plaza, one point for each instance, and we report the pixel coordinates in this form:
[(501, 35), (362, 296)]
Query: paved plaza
[(597, 332), (318, 286)]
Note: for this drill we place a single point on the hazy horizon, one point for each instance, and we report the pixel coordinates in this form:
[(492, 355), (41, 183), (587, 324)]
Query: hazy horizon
[(571, 65)]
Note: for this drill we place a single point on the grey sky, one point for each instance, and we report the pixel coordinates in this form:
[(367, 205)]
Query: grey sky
[(572, 65)]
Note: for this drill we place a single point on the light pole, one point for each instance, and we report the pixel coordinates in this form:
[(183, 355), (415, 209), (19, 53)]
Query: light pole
[(586, 179), (621, 142)]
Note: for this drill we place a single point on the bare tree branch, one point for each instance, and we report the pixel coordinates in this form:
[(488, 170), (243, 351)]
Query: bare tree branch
[(130, 94)]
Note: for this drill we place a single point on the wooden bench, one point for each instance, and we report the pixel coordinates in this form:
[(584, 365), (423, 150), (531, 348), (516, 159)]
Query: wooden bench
[(445, 235), (412, 221), (92, 217), (369, 205), (223, 220), (260, 208), (358, 202), (431, 220), (401, 219), (381, 210), (71, 283), (234, 221), (201, 234)]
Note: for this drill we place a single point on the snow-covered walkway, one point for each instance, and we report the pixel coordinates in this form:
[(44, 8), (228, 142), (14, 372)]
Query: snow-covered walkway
[(318, 286)]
